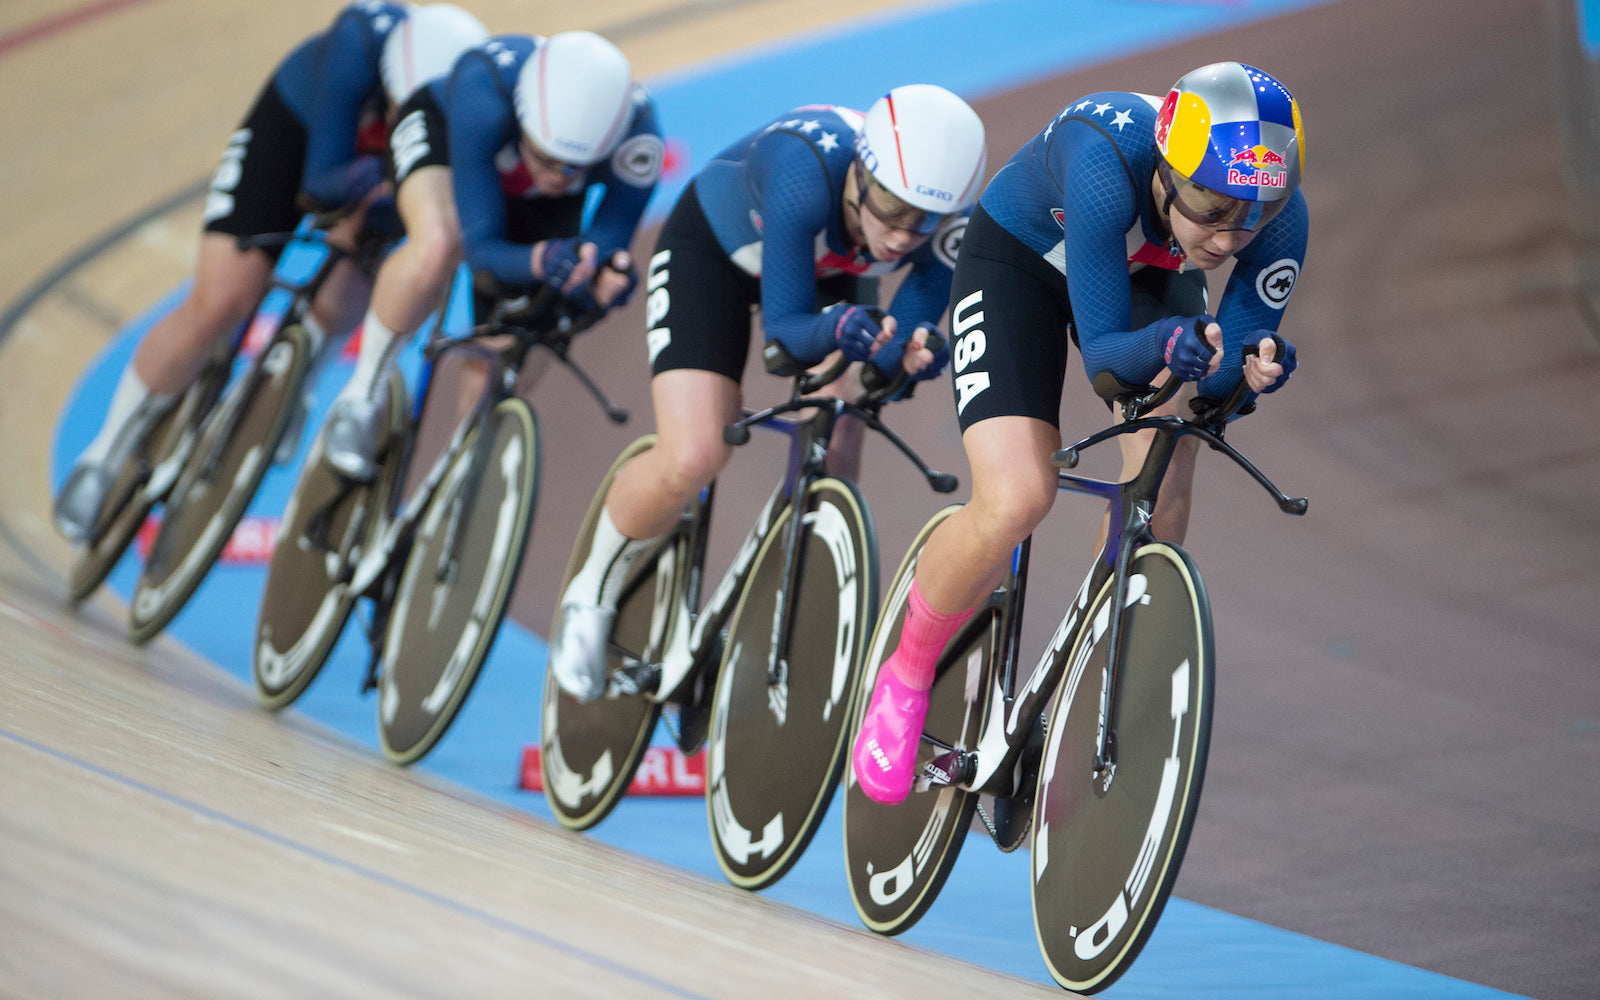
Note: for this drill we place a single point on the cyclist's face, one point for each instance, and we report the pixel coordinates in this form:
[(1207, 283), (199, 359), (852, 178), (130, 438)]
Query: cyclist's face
[(1206, 247), (886, 226), (550, 176)]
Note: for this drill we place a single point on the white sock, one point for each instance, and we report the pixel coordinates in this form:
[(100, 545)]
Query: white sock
[(604, 572), (131, 394), (376, 357)]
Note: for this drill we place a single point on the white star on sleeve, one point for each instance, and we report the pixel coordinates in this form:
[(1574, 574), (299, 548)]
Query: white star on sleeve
[(1100, 109), (505, 57), (1083, 105), (1124, 118), (810, 126), (829, 142)]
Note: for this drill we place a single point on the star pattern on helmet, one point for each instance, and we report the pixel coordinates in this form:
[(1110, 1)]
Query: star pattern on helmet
[(809, 127), (505, 57), (1123, 119), (829, 142), (1101, 109)]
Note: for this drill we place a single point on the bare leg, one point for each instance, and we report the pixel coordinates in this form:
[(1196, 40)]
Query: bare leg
[(691, 408), (1013, 488), (228, 284)]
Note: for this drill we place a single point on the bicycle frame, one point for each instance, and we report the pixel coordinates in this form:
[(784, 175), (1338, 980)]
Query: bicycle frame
[(991, 767), (695, 638)]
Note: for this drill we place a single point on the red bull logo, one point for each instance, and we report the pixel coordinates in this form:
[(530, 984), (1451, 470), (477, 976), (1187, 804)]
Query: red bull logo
[(1257, 167)]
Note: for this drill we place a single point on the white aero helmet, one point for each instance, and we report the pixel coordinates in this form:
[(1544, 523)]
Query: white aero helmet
[(925, 146), (425, 46), (574, 95)]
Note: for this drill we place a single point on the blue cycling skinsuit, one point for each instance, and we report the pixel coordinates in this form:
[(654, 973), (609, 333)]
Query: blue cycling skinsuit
[(501, 212), (1076, 203), (762, 224), (316, 130)]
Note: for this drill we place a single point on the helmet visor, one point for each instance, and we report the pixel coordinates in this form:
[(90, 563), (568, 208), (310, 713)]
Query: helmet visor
[(1210, 210), (890, 210)]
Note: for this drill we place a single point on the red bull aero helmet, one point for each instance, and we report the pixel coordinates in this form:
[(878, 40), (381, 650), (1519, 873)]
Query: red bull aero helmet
[(425, 46), (923, 151), (1232, 146)]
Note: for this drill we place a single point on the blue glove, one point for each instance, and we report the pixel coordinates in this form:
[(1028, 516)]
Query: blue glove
[(1187, 354), (855, 329), (1285, 356), (561, 258)]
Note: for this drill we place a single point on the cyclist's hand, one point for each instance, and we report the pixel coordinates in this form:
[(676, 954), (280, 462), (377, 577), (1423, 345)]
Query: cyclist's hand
[(568, 263), (1193, 346), (1266, 372), (616, 280), (919, 361), (860, 330)]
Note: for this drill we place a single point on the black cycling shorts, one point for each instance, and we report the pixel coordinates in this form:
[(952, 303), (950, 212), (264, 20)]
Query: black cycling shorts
[(253, 191), (1011, 322), (698, 303), (419, 137)]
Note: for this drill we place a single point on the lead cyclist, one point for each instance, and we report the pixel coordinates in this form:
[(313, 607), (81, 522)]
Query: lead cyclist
[(1100, 230)]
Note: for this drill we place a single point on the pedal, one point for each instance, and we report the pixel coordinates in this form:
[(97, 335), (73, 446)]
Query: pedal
[(957, 767), (634, 680)]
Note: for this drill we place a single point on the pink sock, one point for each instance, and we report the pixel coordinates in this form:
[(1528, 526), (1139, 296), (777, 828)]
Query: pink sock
[(922, 638)]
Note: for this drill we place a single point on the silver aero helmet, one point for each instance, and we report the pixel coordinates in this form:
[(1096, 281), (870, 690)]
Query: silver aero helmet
[(574, 95), (425, 46), (1232, 146), (924, 148)]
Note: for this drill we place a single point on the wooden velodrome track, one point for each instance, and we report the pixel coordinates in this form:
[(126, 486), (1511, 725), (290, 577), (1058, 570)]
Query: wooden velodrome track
[(1408, 736)]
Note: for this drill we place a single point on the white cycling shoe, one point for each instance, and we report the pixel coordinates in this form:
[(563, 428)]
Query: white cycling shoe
[(77, 506), (578, 649), (350, 444)]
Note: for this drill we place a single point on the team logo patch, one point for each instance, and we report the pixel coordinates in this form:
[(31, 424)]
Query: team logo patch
[(1276, 281), (947, 240), (638, 160)]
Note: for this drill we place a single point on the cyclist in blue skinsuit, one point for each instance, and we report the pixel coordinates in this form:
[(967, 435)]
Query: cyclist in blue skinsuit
[(496, 163), (790, 219), (1101, 228), (311, 142)]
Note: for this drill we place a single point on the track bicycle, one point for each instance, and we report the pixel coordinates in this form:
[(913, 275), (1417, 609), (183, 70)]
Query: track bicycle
[(439, 566), (207, 455), (764, 675), (1098, 753)]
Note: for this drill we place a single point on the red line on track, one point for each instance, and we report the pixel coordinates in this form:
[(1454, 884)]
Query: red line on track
[(40, 30)]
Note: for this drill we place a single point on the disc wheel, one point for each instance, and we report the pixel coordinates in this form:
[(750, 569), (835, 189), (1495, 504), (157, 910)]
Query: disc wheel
[(207, 503), (327, 525), (445, 615), (897, 857), (1107, 846), (777, 739), (589, 751)]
